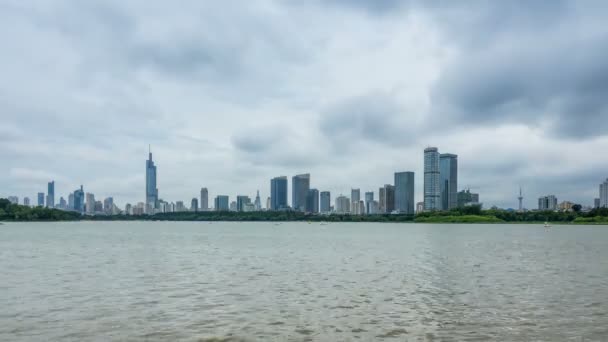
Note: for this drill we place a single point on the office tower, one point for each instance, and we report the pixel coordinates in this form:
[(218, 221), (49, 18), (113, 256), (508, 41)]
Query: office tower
[(369, 197), (194, 204), (221, 203), (466, 197), (278, 193), (342, 205), (179, 206), (204, 199), (448, 175), (361, 207), (419, 207), (404, 192), (151, 189), (382, 200), (79, 200), (41, 199), (241, 200), (257, 204), (355, 197), (548, 202), (108, 204), (325, 202), (386, 202), (312, 201), (268, 204), (50, 195), (604, 194), (26, 201), (128, 209), (90, 204), (373, 208), (596, 203), (249, 207), (432, 190), (300, 184), (98, 207), (13, 199), (62, 203), (71, 201), (233, 206)]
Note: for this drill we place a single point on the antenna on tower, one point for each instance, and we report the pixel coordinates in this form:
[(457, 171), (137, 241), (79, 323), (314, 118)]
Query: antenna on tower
[(520, 198)]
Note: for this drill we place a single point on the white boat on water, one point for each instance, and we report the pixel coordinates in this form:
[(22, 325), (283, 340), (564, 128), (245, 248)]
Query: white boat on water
[(547, 225)]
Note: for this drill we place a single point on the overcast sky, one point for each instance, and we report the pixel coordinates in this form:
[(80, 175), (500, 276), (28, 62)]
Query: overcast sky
[(232, 93)]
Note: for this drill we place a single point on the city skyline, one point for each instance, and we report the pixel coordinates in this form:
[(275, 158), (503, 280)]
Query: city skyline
[(227, 97)]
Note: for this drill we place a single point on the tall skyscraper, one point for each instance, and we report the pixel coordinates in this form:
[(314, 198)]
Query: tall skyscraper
[(41, 199), (26, 201), (596, 203), (325, 202), (369, 198), (300, 184), (221, 203), (389, 198), (241, 200), (194, 204), (466, 197), (268, 204), (108, 205), (604, 194), (151, 189), (342, 205), (448, 171), (257, 204), (204, 199), (432, 189), (278, 193), (79, 200), (312, 201), (62, 203), (71, 201), (355, 197), (548, 202), (404, 192), (50, 196), (90, 203)]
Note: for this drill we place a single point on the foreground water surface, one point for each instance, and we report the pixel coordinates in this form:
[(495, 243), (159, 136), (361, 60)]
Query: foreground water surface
[(192, 281)]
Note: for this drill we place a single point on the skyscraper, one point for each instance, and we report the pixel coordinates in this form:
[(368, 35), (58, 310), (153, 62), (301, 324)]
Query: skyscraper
[(257, 204), (241, 200), (204, 199), (355, 197), (221, 203), (312, 201), (369, 198), (50, 197), (548, 202), (389, 198), (108, 205), (26, 201), (448, 171), (278, 193), (325, 201), (342, 205), (604, 194), (62, 203), (151, 189), (90, 203), (404, 192), (13, 199), (79, 200), (300, 184), (432, 189), (194, 204), (41, 199), (71, 201)]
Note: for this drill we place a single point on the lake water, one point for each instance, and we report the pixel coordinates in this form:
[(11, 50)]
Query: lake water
[(191, 281)]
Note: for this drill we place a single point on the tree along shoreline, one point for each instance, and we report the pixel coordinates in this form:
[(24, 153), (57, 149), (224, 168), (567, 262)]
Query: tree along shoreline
[(473, 214)]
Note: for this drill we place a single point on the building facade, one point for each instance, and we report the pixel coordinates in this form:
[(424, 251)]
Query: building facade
[(194, 204), (466, 197), (221, 203), (50, 195), (604, 194), (90, 205), (448, 174), (241, 200), (404, 192), (312, 201), (151, 189), (204, 199), (432, 188), (278, 193), (548, 202), (342, 205), (41, 199), (325, 202), (369, 198)]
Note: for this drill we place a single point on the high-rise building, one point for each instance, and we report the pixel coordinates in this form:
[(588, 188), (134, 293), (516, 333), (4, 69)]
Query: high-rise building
[(448, 172), (387, 198), (79, 200), (604, 194), (98, 207), (466, 197), (179, 206), (596, 203), (382, 199), (361, 207), (312, 201), (241, 200), (300, 184), (325, 202), (50, 196), (404, 192), (432, 189), (90, 205), (257, 204), (268, 204), (419, 207), (221, 203), (62, 203), (71, 201), (13, 199), (194, 204), (548, 202), (41, 199), (278, 193), (26, 201), (369, 197), (108, 205), (233, 206), (355, 197), (373, 208), (204, 199), (151, 189), (128, 209), (342, 205)]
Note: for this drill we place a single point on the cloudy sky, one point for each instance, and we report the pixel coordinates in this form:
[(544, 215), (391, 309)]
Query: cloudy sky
[(232, 93)]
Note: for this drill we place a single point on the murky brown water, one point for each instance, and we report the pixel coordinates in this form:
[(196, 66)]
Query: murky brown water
[(143, 281)]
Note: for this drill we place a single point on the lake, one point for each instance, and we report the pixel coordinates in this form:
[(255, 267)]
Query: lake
[(195, 281)]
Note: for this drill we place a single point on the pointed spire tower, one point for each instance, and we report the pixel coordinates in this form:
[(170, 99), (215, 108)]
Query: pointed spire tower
[(520, 198)]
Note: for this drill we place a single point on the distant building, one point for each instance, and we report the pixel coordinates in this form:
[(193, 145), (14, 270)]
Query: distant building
[(128, 210), (373, 208), (404, 192), (204, 199), (432, 189), (151, 189), (565, 206), (90, 205), (13, 199), (312, 201), (268, 204), (300, 184), (233, 206), (221, 203), (71, 201), (419, 207), (355, 197), (41, 199), (248, 207), (26, 201), (547, 203), (62, 203), (325, 201), (386, 200), (194, 204), (240, 202), (257, 204), (179, 206), (604, 194), (98, 207), (50, 197), (79, 200), (382, 199), (278, 193), (108, 205), (369, 197), (448, 172), (466, 197), (342, 205), (596, 202)]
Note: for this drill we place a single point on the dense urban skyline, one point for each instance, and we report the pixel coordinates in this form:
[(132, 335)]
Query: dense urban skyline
[(231, 95)]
